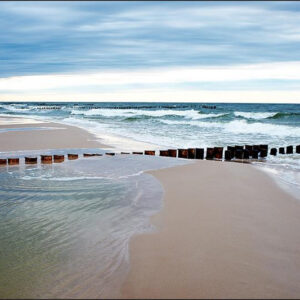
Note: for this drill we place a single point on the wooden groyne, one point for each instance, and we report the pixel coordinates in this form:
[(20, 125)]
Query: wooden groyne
[(246, 153)]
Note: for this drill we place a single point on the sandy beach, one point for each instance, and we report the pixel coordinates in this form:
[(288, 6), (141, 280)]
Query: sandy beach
[(226, 231), (50, 135)]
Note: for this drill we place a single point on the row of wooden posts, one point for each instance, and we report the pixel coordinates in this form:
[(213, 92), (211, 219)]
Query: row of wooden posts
[(232, 152)]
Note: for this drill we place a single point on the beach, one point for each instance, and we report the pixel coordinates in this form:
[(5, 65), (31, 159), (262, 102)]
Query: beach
[(225, 230), (41, 135)]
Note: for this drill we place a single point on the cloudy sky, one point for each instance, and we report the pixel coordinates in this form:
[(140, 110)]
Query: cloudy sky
[(150, 51)]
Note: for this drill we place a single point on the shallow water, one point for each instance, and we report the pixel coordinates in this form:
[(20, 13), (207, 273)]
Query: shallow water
[(65, 228)]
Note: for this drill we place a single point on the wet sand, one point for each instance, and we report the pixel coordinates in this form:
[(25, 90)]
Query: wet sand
[(226, 231), (54, 136)]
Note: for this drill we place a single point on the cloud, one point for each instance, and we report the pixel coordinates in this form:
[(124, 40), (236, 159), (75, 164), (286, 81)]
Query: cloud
[(149, 77), (59, 37)]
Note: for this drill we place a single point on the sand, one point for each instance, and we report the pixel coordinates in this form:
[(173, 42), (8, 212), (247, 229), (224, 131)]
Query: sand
[(226, 231), (54, 136)]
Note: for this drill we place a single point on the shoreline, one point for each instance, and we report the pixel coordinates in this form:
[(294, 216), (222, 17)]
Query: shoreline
[(238, 240)]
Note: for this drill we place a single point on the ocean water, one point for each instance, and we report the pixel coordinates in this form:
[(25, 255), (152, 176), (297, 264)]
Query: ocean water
[(139, 126), (65, 228)]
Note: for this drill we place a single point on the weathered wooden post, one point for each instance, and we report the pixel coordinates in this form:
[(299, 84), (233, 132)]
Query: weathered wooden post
[(137, 152), (273, 151), (263, 153), (199, 153), (58, 158), (13, 161), (264, 147), (30, 160), (163, 153), (149, 152), (246, 153), (3, 161), (298, 149), (232, 150), (256, 147), (228, 155), (218, 152), (281, 150), (255, 153), (238, 147), (172, 152), (72, 156), (239, 153), (289, 150), (183, 153), (46, 159), (191, 153), (88, 154), (249, 148), (209, 153)]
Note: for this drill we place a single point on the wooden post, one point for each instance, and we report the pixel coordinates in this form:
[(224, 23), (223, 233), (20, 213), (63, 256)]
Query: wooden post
[(46, 159), (183, 153), (149, 152), (255, 153), (264, 147), (281, 150), (199, 153), (246, 154), (273, 151), (163, 153), (58, 158), (218, 152), (232, 150), (172, 152), (289, 150), (3, 161), (13, 161), (256, 147), (239, 153), (191, 153), (228, 155), (263, 152), (237, 147), (72, 156), (88, 154), (298, 149), (249, 148), (209, 153), (30, 160)]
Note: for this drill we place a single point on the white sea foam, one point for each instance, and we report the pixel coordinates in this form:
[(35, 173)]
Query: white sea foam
[(189, 114), (243, 127), (255, 116)]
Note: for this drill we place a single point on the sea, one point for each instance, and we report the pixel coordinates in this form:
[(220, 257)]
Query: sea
[(65, 228)]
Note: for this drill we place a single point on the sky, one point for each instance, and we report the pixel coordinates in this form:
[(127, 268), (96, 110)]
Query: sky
[(150, 51)]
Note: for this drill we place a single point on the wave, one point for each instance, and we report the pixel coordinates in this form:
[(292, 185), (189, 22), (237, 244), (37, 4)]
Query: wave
[(255, 116), (135, 114), (281, 115), (242, 127)]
